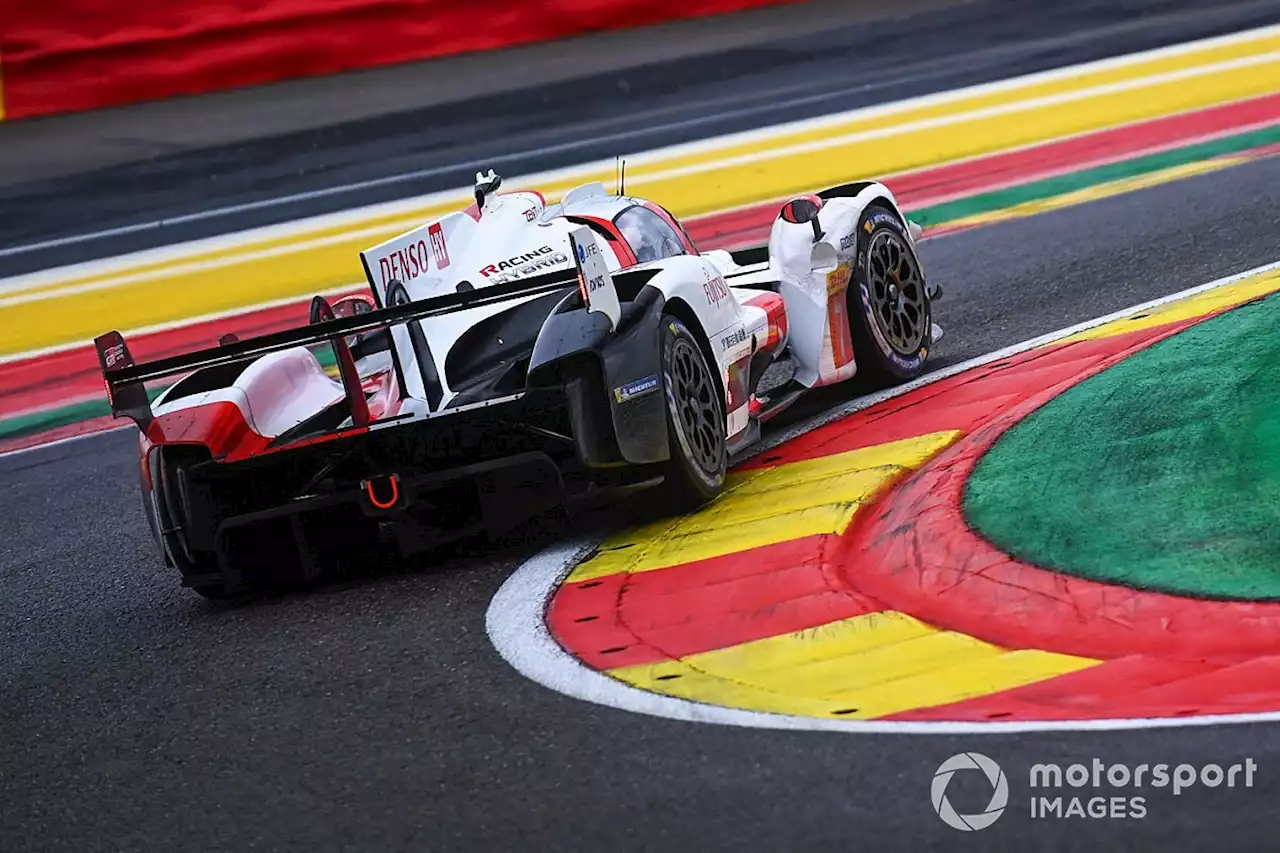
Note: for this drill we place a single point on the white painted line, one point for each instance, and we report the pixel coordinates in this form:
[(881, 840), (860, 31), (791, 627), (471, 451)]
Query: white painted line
[(960, 118), (949, 96), (360, 216), (515, 620), (189, 321), (28, 293), (921, 203), (61, 441), (925, 100), (692, 147)]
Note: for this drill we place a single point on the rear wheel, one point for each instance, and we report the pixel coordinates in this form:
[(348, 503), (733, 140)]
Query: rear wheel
[(695, 419), (890, 318), (170, 518)]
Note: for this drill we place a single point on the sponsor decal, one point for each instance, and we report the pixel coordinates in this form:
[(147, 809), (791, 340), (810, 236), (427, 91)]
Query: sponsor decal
[(405, 264), (848, 241), (838, 317), (546, 262), (734, 338), (838, 279), (585, 251), (714, 288), (516, 262), (868, 227), (595, 283), (114, 355), (530, 214), (881, 218), (635, 389), (438, 248)]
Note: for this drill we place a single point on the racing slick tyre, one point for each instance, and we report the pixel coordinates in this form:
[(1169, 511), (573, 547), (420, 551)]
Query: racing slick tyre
[(890, 318), (167, 512), (695, 420)]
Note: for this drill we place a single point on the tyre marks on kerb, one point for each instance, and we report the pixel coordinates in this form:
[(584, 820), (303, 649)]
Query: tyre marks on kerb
[(763, 506), (702, 608)]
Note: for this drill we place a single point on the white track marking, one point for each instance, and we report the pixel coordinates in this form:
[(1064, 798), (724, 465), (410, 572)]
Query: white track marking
[(66, 440), (1010, 108), (358, 217), (687, 148), (516, 623), (189, 321), (951, 95)]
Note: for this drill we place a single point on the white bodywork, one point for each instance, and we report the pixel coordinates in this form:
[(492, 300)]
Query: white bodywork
[(274, 393), (810, 275), (517, 235)]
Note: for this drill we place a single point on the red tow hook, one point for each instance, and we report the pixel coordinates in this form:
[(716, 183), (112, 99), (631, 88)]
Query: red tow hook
[(392, 490)]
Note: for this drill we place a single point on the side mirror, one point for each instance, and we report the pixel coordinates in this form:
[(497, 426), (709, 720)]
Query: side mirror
[(347, 306), (804, 209)]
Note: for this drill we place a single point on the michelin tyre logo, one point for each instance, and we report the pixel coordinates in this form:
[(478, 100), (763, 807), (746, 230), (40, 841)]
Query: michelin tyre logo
[(635, 389), (999, 791)]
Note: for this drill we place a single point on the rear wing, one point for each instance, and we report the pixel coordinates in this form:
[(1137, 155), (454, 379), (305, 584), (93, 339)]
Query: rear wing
[(126, 380)]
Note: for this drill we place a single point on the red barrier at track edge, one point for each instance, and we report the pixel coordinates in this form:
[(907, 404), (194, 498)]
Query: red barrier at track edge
[(64, 55)]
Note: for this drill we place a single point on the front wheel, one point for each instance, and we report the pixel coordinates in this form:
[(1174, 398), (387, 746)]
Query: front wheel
[(695, 420), (890, 316)]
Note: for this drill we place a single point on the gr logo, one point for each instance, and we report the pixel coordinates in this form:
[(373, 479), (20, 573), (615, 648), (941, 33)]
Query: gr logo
[(966, 761)]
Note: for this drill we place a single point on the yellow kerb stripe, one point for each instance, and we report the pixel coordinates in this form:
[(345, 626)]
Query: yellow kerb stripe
[(859, 668), (1227, 296), (765, 506), (691, 179)]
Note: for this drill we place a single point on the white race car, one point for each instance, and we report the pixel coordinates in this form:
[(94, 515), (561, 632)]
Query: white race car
[(510, 357)]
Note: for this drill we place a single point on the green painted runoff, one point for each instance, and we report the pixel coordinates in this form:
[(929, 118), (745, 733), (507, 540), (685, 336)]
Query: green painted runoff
[(1161, 473)]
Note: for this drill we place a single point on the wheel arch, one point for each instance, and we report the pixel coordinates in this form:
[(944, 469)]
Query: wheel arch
[(861, 196), (876, 357)]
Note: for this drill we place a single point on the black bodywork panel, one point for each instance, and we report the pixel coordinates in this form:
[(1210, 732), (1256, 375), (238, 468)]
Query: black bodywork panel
[(454, 476), (550, 405), (576, 350)]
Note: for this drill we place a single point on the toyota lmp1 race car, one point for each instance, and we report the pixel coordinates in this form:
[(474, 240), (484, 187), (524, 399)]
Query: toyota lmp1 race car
[(511, 358)]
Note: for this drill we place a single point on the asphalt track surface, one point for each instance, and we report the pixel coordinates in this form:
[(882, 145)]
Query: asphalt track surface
[(851, 58), (373, 714)]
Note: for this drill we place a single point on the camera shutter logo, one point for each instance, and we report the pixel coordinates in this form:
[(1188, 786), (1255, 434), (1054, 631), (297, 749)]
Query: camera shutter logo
[(999, 791)]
